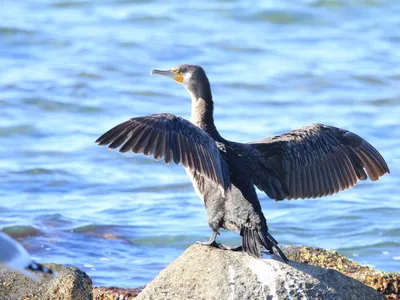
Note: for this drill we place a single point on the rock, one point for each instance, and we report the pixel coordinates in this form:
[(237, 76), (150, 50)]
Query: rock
[(386, 283), (111, 293), (209, 273), (69, 284)]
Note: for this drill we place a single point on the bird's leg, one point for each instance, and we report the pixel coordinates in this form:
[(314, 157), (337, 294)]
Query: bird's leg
[(212, 242)]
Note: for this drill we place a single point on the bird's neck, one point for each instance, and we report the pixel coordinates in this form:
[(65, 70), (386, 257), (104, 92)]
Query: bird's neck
[(203, 113)]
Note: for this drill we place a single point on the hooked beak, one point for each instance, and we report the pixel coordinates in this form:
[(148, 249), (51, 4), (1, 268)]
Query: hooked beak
[(168, 73)]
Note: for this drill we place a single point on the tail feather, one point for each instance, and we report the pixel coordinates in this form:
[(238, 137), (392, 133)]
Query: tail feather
[(253, 240), (271, 239)]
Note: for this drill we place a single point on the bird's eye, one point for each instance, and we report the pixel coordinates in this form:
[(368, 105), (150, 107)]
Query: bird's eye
[(176, 71)]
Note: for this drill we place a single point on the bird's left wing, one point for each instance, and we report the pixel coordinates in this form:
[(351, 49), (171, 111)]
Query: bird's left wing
[(171, 137)]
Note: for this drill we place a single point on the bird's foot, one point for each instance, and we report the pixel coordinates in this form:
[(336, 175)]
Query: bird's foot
[(213, 244)]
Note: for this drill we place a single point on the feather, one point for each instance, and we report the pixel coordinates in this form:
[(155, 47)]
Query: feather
[(316, 160), (172, 138)]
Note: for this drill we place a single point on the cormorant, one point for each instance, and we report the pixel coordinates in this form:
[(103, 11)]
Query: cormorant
[(14, 256), (309, 162)]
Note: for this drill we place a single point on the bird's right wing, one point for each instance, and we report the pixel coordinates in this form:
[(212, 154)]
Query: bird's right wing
[(317, 160), (171, 137)]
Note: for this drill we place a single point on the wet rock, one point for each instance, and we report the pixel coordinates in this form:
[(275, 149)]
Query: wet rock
[(386, 283), (114, 293), (21, 231), (208, 273), (69, 284)]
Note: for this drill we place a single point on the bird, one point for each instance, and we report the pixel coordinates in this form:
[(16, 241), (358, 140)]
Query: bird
[(14, 256), (310, 162)]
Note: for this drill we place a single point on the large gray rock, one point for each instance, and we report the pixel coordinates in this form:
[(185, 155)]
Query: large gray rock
[(69, 284), (208, 273)]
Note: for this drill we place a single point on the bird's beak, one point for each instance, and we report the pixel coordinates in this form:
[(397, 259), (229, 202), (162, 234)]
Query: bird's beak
[(168, 73)]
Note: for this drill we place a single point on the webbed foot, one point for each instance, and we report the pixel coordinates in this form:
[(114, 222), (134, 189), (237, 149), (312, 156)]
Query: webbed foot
[(212, 242)]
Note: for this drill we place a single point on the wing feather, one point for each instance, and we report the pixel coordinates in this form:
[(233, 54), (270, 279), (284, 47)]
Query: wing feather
[(175, 147), (110, 135), (185, 150), (334, 174), (151, 146), (312, 182), (338, 172), (303, 176), (159, 151), (142, 141), (172, 138), (119, 138), (207, 162), (167, 150), (130, 139), (315, 161)]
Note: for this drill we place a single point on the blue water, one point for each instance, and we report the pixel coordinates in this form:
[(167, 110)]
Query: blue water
[(70, 70)]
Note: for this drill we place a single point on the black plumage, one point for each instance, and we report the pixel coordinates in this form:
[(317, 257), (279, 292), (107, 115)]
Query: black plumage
[(172, 138), (309, 162)]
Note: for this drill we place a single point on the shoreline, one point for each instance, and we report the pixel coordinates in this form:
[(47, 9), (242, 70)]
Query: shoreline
[(386, 283), (199, 264)]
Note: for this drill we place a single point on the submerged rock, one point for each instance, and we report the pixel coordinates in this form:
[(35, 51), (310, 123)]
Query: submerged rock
[(69, 283), (210, 273)]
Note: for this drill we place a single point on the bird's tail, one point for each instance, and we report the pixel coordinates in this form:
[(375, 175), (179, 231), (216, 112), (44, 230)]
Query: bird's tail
[(253, 240)]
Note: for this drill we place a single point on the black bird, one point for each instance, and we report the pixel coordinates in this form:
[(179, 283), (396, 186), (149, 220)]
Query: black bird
[(309, 162)]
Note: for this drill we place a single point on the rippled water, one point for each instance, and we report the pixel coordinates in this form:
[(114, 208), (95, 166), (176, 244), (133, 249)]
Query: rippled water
[(70, 70)]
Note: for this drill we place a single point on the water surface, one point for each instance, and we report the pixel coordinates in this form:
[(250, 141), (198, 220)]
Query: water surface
[(70, 70)]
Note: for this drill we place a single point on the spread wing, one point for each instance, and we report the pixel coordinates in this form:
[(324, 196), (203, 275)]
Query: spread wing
[(318, 160), (172, 138)]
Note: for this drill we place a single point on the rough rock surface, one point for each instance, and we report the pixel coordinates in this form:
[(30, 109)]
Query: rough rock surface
[(386, 283), (69, 284), (209, 273), (115, 293)]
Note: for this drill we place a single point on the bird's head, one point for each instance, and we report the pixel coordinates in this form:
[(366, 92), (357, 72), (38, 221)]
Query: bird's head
[(192, 77)]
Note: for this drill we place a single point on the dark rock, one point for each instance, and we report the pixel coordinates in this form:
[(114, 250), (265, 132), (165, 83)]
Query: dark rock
[(208, 273), (69, 284)]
